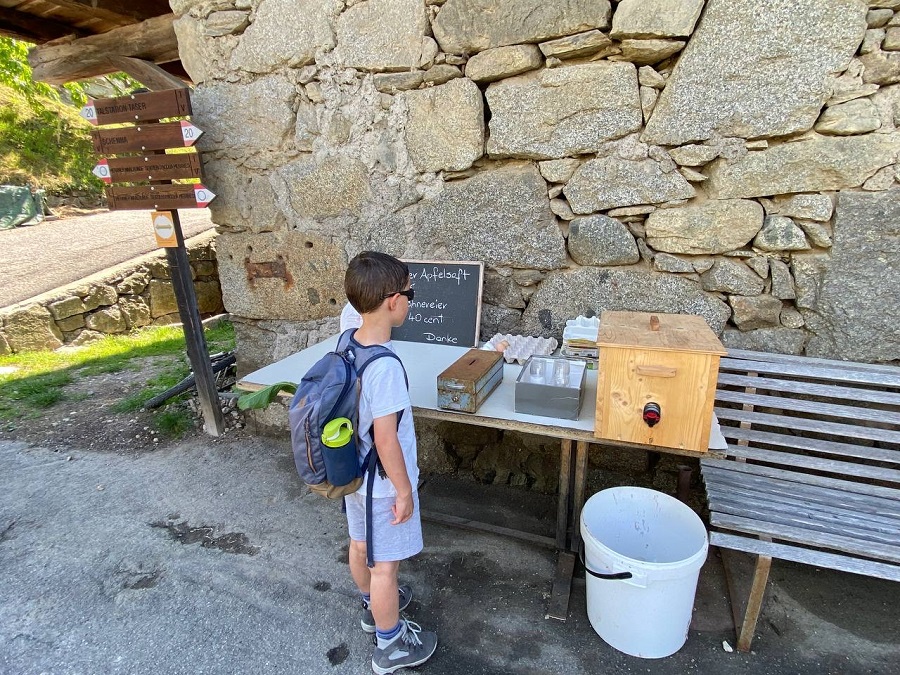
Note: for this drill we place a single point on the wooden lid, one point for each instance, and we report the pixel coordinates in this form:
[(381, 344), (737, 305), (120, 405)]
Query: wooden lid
[(668, 332), (471, 365)]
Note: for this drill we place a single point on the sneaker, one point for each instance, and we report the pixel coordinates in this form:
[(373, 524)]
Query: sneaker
[(412, 647), (368, 621)]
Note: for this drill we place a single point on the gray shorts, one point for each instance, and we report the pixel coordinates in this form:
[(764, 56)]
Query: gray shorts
[(389, 542)]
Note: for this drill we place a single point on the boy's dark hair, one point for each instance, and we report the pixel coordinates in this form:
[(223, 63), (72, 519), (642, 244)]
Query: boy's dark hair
[(372, 276)]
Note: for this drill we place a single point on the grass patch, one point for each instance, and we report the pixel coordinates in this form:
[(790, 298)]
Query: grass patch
[(220, 338), (174, 422), (171, 376), (28, 395), (34, 381)]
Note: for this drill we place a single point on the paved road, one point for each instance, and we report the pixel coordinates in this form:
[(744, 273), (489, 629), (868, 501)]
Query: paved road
[(39, 258)]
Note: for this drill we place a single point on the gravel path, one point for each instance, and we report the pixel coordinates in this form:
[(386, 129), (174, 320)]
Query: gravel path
[(42, 257)]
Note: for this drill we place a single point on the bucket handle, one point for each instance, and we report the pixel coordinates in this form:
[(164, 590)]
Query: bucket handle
[(612, 576)]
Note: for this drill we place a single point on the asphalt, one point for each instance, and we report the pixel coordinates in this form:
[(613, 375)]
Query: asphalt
[(51, 254), (208, 556)]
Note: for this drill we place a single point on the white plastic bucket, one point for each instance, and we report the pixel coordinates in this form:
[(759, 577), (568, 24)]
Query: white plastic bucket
[(660, 545)]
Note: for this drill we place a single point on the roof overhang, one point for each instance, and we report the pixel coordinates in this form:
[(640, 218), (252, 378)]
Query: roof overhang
[(78, 39)]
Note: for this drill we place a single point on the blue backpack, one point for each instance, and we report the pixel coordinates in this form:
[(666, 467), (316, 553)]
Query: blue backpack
[(324, 421)]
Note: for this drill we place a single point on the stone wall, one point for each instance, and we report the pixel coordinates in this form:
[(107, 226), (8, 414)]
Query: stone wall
[(132, 295), (735, 160)]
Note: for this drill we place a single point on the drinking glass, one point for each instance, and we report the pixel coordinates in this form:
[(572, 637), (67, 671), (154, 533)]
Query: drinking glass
[(561, 373), (536, 370)]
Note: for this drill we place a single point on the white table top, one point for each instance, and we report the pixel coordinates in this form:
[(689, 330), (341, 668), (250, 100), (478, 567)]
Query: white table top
[(425, 362)]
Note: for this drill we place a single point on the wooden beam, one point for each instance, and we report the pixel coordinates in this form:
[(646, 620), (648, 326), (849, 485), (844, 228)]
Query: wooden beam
[(565, 489), (153, 40), (148, 74), (22, 26), (580, 484), (489, 528), (558, 607), (116, 11)]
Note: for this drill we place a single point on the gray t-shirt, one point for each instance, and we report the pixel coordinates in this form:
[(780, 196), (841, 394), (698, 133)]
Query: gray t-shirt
[(384, 392)]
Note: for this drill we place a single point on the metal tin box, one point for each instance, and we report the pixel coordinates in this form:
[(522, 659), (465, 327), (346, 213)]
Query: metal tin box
[(467, 382), (538, 392)]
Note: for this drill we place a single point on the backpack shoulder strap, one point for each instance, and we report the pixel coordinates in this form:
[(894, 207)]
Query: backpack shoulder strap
[(345, 339), (362, 357)]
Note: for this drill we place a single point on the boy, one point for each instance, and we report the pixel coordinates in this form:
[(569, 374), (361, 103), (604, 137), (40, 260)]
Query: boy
[(378, 287)]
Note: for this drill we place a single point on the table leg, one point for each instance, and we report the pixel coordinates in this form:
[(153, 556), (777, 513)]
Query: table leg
[(565, 487), (558, 607), (581, 456)]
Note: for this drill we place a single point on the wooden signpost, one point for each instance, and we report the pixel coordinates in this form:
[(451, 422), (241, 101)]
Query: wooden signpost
[(183, 196), (144, 137), (146, 163), (151, 105), (148, 167)]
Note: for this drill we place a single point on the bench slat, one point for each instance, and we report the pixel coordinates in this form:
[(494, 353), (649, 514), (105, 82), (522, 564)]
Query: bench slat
[(708, 463), (801, 369), (832, 466), (807, 406), (806, 424), (839, 517), (819, 495), (812, 444), (764, 515), (812, 388), (803, 536), (800, 555), (812, 361), (838, 520)]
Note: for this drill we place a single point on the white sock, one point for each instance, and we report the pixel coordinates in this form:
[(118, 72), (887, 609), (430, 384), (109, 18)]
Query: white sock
[(382, 642)]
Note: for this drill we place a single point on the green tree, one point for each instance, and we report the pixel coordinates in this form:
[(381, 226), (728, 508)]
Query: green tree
[(43, 140), (16, 74)]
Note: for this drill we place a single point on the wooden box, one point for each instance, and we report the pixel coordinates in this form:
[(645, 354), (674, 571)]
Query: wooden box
[(671, 360), (467, 382)]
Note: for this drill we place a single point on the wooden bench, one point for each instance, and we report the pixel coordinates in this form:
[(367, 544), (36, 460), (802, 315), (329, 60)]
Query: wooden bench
[(812, 470)]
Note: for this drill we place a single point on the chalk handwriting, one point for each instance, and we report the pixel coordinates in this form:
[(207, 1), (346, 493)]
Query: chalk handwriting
[(448, 339), (460, 275)]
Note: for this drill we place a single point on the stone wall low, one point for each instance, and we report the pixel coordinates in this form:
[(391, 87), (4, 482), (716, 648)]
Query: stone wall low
[(135, 294)]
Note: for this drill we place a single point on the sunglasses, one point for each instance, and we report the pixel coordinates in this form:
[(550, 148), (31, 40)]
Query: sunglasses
[(409, 293)]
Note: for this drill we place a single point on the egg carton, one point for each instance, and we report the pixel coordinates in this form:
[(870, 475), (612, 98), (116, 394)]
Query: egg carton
[(582, 328), (520, 347)]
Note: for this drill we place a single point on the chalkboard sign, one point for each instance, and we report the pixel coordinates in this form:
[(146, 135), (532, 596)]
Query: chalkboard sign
[(447, 307)]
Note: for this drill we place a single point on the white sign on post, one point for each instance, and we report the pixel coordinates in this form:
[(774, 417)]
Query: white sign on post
[(164, 229)]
